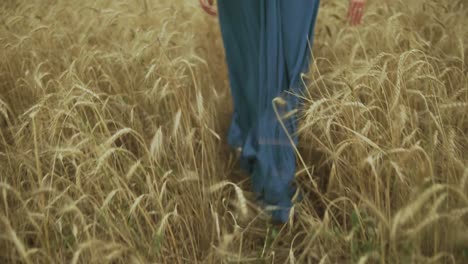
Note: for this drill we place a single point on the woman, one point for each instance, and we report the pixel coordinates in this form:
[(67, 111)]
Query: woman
[(267, 45)]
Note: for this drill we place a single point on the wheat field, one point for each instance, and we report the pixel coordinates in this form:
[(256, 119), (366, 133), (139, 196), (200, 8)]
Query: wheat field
[(113, 118)]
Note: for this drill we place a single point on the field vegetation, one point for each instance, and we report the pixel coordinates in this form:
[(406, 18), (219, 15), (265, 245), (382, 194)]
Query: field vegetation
[(113, 118)]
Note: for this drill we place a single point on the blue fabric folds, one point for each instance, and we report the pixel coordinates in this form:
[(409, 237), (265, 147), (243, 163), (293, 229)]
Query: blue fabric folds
[(267, 44)]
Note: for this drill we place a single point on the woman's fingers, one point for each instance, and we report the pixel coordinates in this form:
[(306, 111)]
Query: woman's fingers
[(350, 10), (355, 11), (359, 13), (354, 14), (208, 6)]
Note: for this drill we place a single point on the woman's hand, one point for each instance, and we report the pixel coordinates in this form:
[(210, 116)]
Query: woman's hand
[(355, 11), (209, 7)]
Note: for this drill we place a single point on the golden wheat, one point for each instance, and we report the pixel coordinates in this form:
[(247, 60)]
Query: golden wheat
[(113, 114)]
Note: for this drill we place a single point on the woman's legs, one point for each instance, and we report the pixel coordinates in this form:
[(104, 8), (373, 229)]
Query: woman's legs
[(239, 27), (267, 49), (286, 28)]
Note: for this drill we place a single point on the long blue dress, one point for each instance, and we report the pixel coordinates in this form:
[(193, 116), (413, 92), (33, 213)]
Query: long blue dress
[(267, 44)]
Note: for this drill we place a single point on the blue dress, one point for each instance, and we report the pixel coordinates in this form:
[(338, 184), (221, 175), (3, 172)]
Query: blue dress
[(267, 44)]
